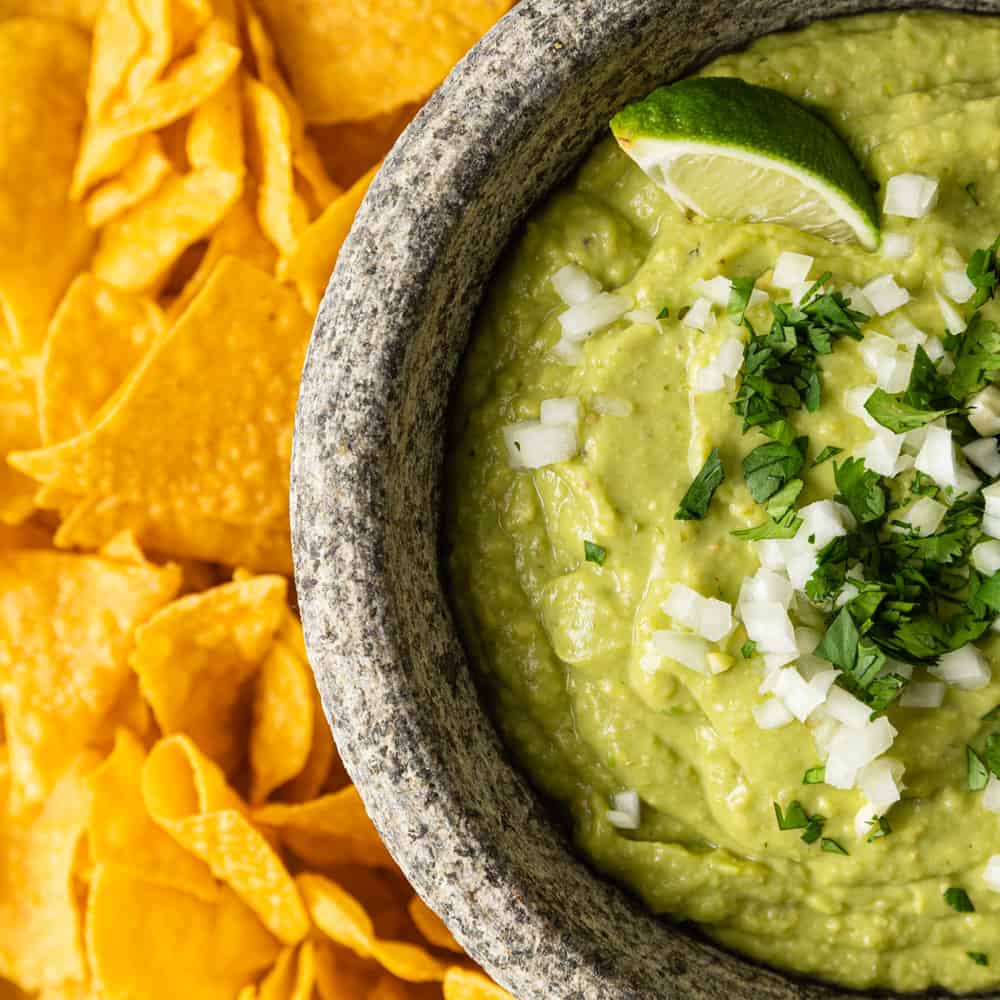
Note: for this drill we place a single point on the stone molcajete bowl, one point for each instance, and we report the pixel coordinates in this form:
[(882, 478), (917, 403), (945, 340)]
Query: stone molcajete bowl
[(467, 829)]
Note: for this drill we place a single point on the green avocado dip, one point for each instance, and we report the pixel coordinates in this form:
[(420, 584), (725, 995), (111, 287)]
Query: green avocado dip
[(789, 736)]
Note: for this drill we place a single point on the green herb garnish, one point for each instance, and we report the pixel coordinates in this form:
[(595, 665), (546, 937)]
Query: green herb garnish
[(739, 298), (898, 415), (970, 190), (748, 649), (664, 313), (861, 489), (694, 503), (832, 846), (793, 818), (992, 715), (982, 272), (991, 755), (880, 828), (814, 829), (592, 552), (827, 453), (977, 774), (770, 466), (814, 776), (979, 957), (958, 900), (977, 355)]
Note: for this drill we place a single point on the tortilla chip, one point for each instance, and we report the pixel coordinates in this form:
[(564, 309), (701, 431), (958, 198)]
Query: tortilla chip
[(27, 535), (97, 336), (348, 62), (281, 212), (281, 734), (310, 266), (186, 793), (340, 974), (321, 764), (138, 248), (329, 830), (344, 920), (66, 625), (158, 943), (119, 38), (351, 149), (39, 920), (467, 984), (432, 926), (44, 239), (110, 141), (123, 836), (293, 976), (196, 660), (69, 990), (227, 374), (137, 181), (18, 429), (80, 12)]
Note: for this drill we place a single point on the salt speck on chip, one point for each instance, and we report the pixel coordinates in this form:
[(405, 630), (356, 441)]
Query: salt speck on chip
[(910, 195)]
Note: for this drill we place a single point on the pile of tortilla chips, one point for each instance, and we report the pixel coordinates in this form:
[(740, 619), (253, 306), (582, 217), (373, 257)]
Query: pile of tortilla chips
[(176, 177)]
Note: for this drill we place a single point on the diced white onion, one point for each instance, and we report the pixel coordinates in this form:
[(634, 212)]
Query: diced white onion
[(801, 566), (699, 315), (646, 316), (885, 294), (984, 455), (854, 403), (573, 285), (766, 585), (716, 289), (991, 525), (806, 640), (991, 794), (922, 694), (708, 616), (852, 748), (690, 651), (824, 729), (964, 668), (934, 348), (857, 299), (847, 709), (847, 594), (906, 333), (708, 379), (771, 714), (569, 352), (562, 410), (896, 246), (532, 444), (627, 804), (953, 321), (986, 557), (864, 820), (936, 457), (611, 406), (991, 497), (910, 195), (823, 521), (758, 296), (991, 873), (924, 516), (984, 411), (893, 666), (881, 453), (767, 623), (881, 782), (581, 320), (798, 292), (796, 693), (730, 357), (957, 286), (791, 269)]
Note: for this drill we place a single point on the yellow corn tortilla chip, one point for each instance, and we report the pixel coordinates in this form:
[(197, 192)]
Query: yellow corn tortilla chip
[(348, 62), (186, 793), (66, 625), (227, 374), (310, 266), (90, 522), (350, 149), (44, 238), (119, 38), (8, 991), (18, 429), (340, 974), (431, 926), (293, 975), (156, 943), (281, 212), (467, 984), (97, 336), (110, 141), (69, 990), (27, 535), (343, 919), (281, 733), (196, 660), (137, 181), (329, 830), (321, 765), (138, 248), (123, 835), (39, 921), (79, 12)]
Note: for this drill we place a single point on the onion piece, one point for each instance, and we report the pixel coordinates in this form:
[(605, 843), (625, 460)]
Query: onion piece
[(766, 585), (709, 617), (991, 873), (964, 668), (823, 521), (881, 453), (767, 623), (857, 299), (991, 794), (906, 333), (986, 557), (957, 286), (573, 285), (533, 445), (924, 516), (897, 246), (936, 457), (791, 269), (846, 709), (729, 360), (922, 694), (611, 406), (646, 316), (569, 352), (984, 455), (910, 195), (689, 651), (716, 290), (708, 379), (581, 320), (699, 315), (771, 714), (984, 411), (885, 294), (953, 321), (852, 748), (562, 410), (881, 782)]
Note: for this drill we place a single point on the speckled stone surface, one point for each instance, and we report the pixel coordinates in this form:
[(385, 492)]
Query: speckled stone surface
[(467, 830)]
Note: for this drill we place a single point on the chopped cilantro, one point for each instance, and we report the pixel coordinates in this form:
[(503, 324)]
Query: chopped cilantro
[(793, 818), (977, 354), (832, 846), (664, 313), (694, 503), (594, 553), (814, 776), (814, 829), (899, 416), (982, 272), (861, 489), (958, 900), (748, 649), (979, 957), (923, 486), (977, 774), (992, 715), (970, 190), (825, 455), (770, 466), (787, 527), (992, 753), (860, 661), (739, 298), (781, 504), (880, 828)]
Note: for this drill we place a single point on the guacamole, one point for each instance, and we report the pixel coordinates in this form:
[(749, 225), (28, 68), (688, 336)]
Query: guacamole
[(681, 772)]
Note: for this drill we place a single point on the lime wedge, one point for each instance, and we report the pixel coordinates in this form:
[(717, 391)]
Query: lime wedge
[(728, 150)]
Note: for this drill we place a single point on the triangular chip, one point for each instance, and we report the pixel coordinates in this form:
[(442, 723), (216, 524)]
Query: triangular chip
[(148, 169), (119, 38), (468, 984), (293, 975), (341, 974), (97, 336), (311, 264), (79, 12), (228, 375), (123, 836), (282, 731), (156, 943), (40, 927), (344, 66), (66, 626), (197, 657), (18, 429), (322, 767), (431, 926), (43, 237), (186, 793)]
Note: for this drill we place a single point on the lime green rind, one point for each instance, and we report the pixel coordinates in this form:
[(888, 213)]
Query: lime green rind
[(723, 111)]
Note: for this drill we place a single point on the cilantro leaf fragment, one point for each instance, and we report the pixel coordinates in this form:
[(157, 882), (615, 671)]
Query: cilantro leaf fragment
[(748, 649), (592, 552), (770, 466), (793, 818), (825, 455), (977, 774), (787, 527), (893, 412), (880, 828), (970, 190), (982, 272), (979, 957), (814, 829), (832, 846), (991, 755), (739, 298), (814, 776), (861, 489), (992, 715), (958, 900), (977, 355), (664, 313), (694, 503)]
